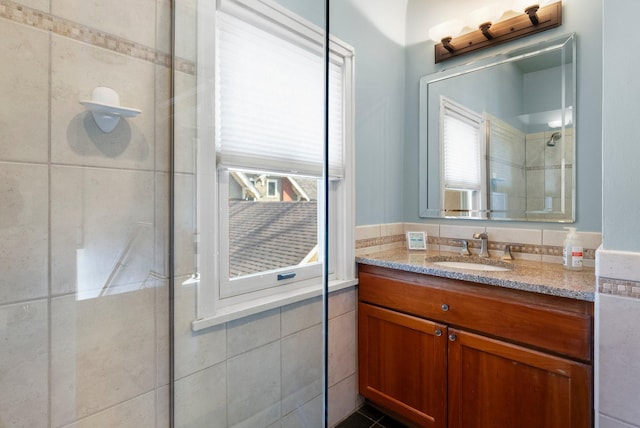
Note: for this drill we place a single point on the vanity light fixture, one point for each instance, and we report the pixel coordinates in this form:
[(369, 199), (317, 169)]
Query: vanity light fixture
[(532, 17), (443, 32), (105, 108)]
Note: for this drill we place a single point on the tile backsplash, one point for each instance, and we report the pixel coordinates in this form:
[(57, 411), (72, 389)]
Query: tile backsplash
[(528, 244)]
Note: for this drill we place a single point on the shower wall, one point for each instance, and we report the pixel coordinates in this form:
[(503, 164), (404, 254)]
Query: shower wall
[(83, 215)]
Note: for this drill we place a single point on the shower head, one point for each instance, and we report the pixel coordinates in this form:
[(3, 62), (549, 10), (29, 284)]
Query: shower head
[(554, 139)]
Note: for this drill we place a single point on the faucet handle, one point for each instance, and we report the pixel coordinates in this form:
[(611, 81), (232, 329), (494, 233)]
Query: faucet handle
[(465, 248), (507, 253), (481, 235)]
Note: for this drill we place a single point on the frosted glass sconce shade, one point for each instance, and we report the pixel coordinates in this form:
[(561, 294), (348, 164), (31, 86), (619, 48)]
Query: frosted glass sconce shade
[(488, 13), (446, 29), (521, 5), (105, 108)]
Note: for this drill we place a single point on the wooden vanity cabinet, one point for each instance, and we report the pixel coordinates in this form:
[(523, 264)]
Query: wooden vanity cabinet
[(406, 364), (423, 360)]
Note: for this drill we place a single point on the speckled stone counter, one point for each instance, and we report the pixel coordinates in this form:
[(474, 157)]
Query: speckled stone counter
[(537, 277)]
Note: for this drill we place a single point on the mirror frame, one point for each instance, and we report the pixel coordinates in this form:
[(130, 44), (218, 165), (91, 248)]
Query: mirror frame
[(520, 53)]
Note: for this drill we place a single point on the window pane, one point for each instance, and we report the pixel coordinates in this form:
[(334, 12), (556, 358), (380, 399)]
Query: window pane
[(273, 222)]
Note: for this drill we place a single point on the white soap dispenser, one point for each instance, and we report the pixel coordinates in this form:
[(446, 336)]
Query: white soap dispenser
[(572, 251)]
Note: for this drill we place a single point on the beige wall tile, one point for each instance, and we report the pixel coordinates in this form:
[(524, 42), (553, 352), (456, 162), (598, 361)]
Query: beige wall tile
[(162, 407), (162, 207), (389, 229), (252, 332), (308, 414), (301, 368), (342, 302), (185, 122), (163, 25), (77, 68), (194, 351), (99, 216), (368, 232), (342, 399), (162, 332), (460, 232), (103, 352), (42, 5), (342, 347), (162, 106), (521, 236), (23, 231), (186, 26), (607, 422), (618, 366), (24, 85), (138, 412), (301, 315), (254, 387), (201, 399), (184, 224), (24, 365), (130, 19)]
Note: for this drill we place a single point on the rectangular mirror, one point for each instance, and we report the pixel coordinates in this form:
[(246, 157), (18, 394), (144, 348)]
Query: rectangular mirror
[(497, 137)]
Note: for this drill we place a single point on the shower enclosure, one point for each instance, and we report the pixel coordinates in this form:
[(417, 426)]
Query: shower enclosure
[(102, 234)]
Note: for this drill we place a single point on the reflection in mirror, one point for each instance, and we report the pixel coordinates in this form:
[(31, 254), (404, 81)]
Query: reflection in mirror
[(496, 138)]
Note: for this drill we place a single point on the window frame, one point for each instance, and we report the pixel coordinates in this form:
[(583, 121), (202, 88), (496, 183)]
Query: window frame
[(231, 287), (212, 308), (475, 195)]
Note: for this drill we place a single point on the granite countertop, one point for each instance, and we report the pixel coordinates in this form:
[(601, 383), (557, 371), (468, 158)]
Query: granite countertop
[(537, 277)]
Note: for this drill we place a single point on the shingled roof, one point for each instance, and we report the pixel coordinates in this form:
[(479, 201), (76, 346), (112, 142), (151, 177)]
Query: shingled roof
[(270, 235)]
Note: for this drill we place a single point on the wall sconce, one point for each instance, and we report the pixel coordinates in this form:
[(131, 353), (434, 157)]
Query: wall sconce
[(532, 18), (105, 108)]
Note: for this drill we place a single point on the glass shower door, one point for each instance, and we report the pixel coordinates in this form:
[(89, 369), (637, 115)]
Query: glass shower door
[(248, 225)]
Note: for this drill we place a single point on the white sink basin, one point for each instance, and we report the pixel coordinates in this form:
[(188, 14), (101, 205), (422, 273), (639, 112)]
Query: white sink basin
[(472, 266)]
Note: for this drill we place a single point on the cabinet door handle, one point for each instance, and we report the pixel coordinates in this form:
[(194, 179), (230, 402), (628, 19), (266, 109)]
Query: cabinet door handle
[(445, 307), (438, 332), (452, 337)]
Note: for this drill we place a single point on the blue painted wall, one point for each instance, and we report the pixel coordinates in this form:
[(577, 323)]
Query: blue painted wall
[(621, 134), (586, 22)]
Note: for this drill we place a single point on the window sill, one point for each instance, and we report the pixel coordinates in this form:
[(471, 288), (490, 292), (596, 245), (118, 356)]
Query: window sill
[(259, 305)]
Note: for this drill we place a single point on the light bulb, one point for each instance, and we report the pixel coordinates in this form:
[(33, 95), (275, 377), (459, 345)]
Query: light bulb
[(449, 28), (488, 13), (520, 5)]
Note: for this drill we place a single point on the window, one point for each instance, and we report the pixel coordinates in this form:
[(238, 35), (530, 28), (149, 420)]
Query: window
[(272, 188), (463, 159), (261, 208)]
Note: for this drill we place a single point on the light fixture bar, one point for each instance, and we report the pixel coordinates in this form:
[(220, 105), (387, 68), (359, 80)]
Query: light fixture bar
[(547, 17)]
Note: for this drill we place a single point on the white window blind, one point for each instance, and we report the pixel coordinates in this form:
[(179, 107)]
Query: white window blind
[(270, 101), (461, 147)]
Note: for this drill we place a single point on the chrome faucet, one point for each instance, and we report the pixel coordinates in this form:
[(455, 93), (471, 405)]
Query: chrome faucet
[(483, 247)]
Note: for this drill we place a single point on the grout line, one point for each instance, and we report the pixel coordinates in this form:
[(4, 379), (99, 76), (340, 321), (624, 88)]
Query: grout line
[(49, 234)]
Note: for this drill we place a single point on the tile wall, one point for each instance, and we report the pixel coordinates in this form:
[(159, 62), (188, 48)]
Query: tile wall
[(265, 370), (544, 174), (617, 339), (83, 215)]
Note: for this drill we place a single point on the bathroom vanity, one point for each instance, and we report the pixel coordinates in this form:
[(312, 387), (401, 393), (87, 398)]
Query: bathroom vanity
[(441, 347)]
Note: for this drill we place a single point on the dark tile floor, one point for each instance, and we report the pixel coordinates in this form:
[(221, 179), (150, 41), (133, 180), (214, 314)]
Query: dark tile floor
[(369, 417)]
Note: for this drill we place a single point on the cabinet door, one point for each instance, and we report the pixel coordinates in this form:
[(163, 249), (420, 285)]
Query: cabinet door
[(494, 384), (402, 364)]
